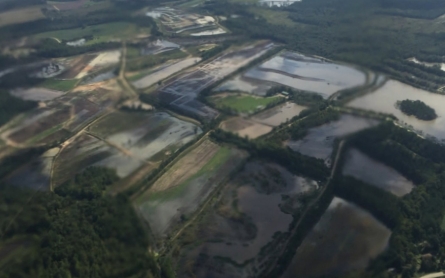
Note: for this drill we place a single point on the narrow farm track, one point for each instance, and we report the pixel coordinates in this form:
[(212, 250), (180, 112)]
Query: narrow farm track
[(123, 81)]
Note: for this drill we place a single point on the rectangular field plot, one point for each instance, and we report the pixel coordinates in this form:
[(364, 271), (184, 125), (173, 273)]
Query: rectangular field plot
[(362, 167), (297, 71), (163, 72), (346, 238), (243, 103), (180, 191), (147, 136), (319, 141), (182, 90), (246, 225)]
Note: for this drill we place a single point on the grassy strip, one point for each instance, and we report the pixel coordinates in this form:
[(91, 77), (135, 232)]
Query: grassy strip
[(59, 85), (245, 103), (212, 165)]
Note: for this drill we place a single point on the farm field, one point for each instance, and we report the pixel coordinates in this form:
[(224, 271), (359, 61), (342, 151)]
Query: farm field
[(160, 73), (62, 116), (245, 127), (384, 100), (59, 85), (147, 136), (238, 229), (346, 238), (279, 114), (319, 142), (364, 168), (21, 15), (36, 174), (100, 33), (242, 103), (124, 141), (180, 191), (307, 73), (182, 90)]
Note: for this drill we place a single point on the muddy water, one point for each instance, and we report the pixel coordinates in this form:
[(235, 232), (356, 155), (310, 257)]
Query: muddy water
[(262, 209), (309, 74), (280, 114), (385, 98), (346, 238), (375, 173), (319, 141)]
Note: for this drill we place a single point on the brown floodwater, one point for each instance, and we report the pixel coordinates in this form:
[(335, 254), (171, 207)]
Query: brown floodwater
[(364, 168), (279, 114), (385, 98), (346, 238)]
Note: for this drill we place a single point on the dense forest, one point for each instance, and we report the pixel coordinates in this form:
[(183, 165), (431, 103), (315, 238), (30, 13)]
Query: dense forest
[(417, 109), (77, 231)]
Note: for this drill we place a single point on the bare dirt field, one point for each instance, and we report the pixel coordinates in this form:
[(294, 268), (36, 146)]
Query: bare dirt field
[(21, 15), (245, 127)]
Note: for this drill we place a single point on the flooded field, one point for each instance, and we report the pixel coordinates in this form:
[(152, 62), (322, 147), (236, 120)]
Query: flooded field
[(238, 227), (346, 238), (385, 98), (58, 118), (36, 174), (182, 90), (145, 135), (364, 168), (180, 191), (308, 73), (164, 71), (87, 150), (280, 114), (36, 94), (319, 141)]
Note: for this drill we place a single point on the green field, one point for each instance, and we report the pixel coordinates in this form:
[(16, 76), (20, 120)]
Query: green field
[(244, 103), (59, 85), (100, 33)]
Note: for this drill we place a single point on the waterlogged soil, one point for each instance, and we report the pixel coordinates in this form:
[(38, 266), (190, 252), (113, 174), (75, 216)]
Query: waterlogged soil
[(346, 238), (36, 94), (364, 168), (279, 114), (246, 219), (319, 142), (144, 135), (245, 127), (181, 190), (384, 100), (308, 73)]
